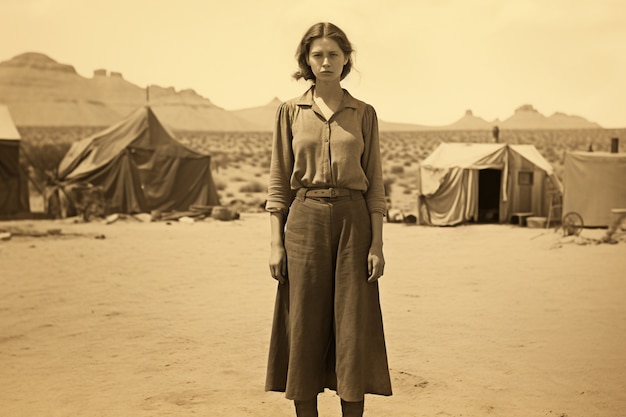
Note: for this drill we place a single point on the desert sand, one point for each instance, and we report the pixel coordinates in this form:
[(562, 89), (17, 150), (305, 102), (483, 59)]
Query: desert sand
[(137, 319)]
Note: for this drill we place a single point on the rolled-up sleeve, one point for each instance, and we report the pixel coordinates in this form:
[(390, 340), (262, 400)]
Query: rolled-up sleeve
[(372, 163), (280, 195)]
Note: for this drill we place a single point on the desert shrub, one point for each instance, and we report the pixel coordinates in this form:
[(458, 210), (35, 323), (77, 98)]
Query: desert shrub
[(219, 184), (219, 160), (253, 187), (415, 157), (397, 169)]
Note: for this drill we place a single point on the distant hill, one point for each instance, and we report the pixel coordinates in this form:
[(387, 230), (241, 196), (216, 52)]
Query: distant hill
[(386, 126), (262, 116), (526, 117), (470, 122), (40, 91)]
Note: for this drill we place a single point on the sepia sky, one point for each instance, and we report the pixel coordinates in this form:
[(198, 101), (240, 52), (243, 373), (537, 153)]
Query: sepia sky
[(417, 61)]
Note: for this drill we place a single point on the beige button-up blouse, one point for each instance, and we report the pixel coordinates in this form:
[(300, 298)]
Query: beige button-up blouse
[(312, 152)]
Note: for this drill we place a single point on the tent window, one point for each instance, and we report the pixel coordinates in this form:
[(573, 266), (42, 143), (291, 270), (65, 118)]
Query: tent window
[(525, 178)]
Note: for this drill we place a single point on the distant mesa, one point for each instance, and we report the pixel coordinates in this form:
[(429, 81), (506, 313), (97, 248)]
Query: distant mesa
[(37, 61), (40, 91)]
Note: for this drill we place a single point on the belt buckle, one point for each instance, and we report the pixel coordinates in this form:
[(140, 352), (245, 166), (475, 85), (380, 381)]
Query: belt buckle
[(333, 192)]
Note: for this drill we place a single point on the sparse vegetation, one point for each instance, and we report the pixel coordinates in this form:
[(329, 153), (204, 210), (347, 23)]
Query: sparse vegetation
[(240, 160), (397, 169), (253, 187), (220, 185)]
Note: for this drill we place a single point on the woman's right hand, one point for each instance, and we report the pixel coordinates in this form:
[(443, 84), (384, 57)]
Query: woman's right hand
[(278, 263)]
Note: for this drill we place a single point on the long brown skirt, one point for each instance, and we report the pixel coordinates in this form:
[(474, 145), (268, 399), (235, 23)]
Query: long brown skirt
[(328, 328)]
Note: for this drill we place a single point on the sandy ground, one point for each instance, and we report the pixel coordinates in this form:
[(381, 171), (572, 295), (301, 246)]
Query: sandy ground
[(161, 319)]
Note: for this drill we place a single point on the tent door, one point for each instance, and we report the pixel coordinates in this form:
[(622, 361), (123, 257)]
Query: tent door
[(489, 181)]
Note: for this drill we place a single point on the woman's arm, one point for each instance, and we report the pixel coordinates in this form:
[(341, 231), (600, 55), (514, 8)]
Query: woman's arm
[(278, 259), (375, 196), (280, 194), (375, 258)]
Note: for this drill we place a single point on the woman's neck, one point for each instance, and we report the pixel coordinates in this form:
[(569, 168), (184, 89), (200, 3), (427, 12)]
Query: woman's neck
[(328, 98), (328, 92)]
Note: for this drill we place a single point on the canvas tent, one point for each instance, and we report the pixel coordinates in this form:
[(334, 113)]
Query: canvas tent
[(13, 182), (483, 182), (141, 167), (594, 183)]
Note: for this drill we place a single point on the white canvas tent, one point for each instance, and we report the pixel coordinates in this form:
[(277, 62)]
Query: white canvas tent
[(594, 184), (483, 182)]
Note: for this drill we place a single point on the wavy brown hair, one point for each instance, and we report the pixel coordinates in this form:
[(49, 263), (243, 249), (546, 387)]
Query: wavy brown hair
[(317, 31)]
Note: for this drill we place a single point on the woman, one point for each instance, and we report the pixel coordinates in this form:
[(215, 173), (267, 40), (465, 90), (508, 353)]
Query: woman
[(327, 203)]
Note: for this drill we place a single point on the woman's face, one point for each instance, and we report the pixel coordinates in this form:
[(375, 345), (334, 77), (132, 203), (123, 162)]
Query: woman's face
[(326, 59)]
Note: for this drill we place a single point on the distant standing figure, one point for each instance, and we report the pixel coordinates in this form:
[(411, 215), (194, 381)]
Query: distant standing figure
[(327, 202), (496, 133)]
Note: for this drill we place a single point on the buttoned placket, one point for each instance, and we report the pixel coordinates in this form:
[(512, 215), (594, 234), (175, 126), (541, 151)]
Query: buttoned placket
[(326, 131)]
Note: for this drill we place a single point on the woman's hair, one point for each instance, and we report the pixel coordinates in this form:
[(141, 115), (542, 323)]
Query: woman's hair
[(317, 31)]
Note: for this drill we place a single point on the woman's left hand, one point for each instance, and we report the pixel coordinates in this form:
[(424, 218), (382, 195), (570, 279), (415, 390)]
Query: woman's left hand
[(375, 264)]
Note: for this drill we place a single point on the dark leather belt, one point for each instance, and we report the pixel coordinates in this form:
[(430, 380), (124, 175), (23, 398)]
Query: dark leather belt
[(327, 192)]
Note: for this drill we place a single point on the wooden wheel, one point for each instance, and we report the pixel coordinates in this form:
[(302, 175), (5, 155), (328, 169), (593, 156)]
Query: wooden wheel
[(572, 224)]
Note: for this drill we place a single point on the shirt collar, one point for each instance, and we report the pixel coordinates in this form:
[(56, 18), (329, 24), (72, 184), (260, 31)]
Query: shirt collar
[(306, 99)]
